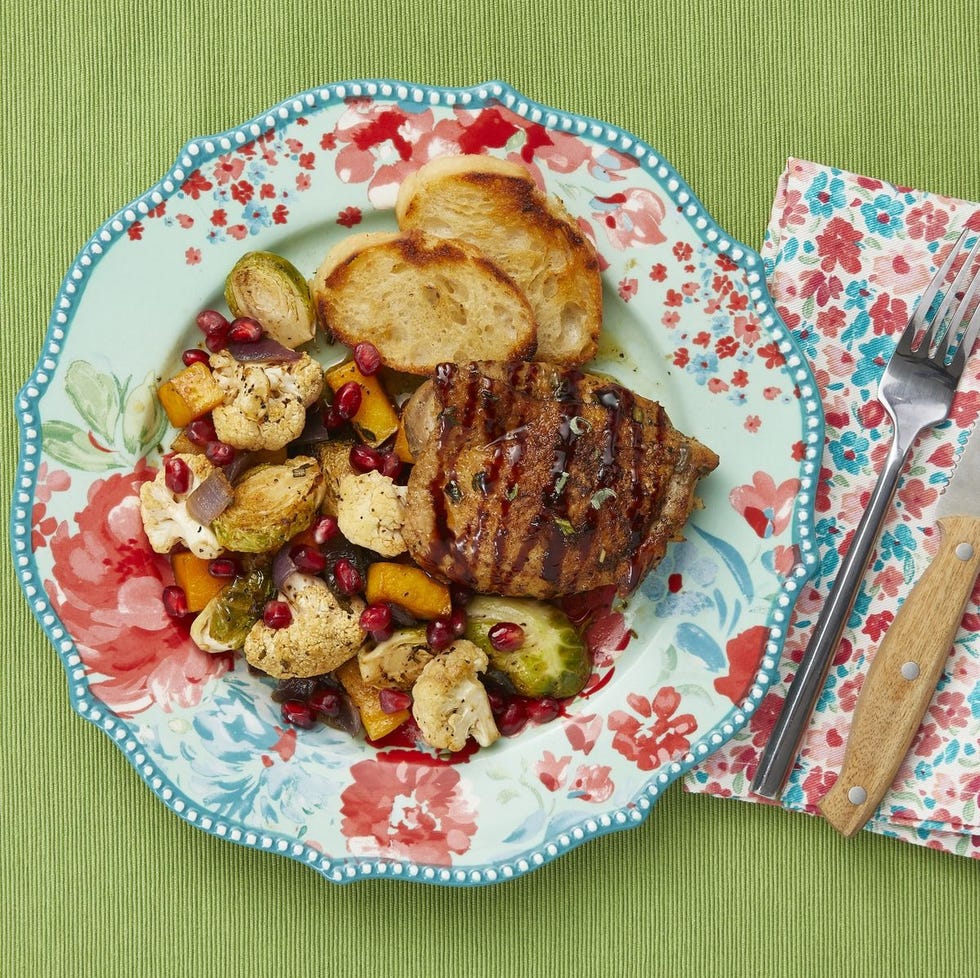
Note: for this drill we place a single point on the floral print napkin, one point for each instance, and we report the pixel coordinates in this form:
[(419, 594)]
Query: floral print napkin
[(846, 259)]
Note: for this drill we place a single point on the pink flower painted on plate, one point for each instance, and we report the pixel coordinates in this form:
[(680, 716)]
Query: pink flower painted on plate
[(106, 590), (407, 811), (744, 653), (49, 481), (630, 217), (228, 168), (628, 287), (583, 732), (766, 507), (652, 735), (591, 782), (381, 145), (747, 329), (551, 770)]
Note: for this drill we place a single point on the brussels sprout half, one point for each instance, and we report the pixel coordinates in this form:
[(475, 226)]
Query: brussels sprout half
[(271, 289), (272, 504)]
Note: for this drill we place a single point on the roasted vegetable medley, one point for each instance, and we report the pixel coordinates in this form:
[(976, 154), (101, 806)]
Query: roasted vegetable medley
[(281, 505)]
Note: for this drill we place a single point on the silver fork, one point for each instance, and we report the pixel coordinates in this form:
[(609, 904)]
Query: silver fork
[(916, 390)]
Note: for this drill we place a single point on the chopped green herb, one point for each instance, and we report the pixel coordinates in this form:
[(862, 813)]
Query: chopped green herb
[(600, 497), (511, 492), (565, 526), (480, 482)]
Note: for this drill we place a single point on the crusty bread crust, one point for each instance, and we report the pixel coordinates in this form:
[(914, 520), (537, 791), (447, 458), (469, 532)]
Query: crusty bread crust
[(496, 206), (422, 300)]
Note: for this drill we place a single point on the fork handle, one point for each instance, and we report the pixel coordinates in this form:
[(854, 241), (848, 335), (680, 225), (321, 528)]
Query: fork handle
[(779, 755), (902, 677)]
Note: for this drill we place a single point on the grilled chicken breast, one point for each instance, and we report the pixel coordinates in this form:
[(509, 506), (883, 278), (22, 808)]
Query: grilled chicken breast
[(536, 480)]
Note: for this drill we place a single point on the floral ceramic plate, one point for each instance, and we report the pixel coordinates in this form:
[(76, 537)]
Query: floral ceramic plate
[(677, 670)]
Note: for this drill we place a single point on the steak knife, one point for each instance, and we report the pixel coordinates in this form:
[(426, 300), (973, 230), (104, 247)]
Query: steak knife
[(904, 672)]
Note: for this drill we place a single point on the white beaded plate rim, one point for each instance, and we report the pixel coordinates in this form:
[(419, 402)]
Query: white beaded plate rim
[(200, 150)]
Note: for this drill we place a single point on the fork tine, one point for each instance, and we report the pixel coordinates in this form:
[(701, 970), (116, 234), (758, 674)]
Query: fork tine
[(929, 296), (935, 332), (965, 348)]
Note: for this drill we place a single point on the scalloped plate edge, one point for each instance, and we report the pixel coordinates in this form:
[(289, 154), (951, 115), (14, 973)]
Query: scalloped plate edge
[(348, 869)]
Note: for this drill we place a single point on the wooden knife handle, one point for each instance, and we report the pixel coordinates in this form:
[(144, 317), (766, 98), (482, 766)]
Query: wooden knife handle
[(903, 676)]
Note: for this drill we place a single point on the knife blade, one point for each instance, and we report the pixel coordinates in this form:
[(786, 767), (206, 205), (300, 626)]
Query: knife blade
[(903, 674)]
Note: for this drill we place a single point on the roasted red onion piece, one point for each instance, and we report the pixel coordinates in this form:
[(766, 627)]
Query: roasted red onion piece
[(266, 350), (211, 498), (282, 565)]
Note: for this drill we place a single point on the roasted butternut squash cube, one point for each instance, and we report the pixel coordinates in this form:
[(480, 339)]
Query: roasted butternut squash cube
[(193, 575), (190, 394), (376, 419), (377, 723), (409, 587), (401, 446)]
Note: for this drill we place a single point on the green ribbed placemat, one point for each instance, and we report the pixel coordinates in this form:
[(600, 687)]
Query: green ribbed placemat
[(97, 878)]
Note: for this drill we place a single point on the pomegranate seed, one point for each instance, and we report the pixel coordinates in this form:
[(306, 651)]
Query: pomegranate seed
[(367, 358), (513, 718), (439, 633), (543, 710), (347, 576), (196, 355), (307, 559), (393, 700), (347, 400), (380, 635), (201, 431), (326, 702), (332, 420), (325, 529), (298, 713), (506, 636), (177, 475), (223, 567), (376, 617), (391, 465), (364, 458), (216, 342), (219, 452), (276, 614), (211, 322), (498, 702), (245, 329), (174, 601), (457, 621)]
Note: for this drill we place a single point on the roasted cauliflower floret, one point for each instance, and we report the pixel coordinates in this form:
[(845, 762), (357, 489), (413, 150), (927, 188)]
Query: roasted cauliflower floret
[(450, 703), (165, 517), (264, 404), (371, 512), (322, 635), (396, 662), (272, 503)]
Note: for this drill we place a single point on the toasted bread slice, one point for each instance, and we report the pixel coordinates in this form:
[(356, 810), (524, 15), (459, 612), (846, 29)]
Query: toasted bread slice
[(496, 205), (422, 300)]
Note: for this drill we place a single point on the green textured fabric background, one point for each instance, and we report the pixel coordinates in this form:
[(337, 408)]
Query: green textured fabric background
[(97, 877)]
